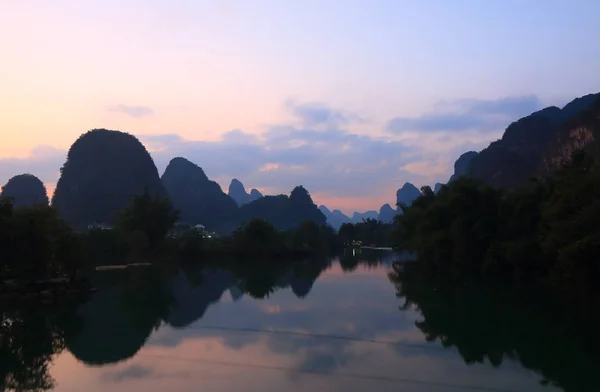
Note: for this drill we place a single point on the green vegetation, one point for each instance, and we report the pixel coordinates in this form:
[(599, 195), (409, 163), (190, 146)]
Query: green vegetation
[(35, 244), (545, 232), (369, 232), (147, 220)]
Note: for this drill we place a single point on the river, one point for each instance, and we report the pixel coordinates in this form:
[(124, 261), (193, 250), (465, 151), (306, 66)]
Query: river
[(348, 324)]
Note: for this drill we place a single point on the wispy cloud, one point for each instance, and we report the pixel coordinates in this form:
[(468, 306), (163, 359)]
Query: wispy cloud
[(468, 115), (314, 114), (133, 111), (285, 156), (133, 372), (43, 162)]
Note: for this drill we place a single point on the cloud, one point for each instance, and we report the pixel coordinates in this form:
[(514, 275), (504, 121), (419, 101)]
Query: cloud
[(315, 114), (43, 162), (133, 111), (333, 161), (467, 115), (133, 372), (130, 372)]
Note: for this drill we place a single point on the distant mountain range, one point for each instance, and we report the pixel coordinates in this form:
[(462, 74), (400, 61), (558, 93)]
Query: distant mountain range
[(105, 169)]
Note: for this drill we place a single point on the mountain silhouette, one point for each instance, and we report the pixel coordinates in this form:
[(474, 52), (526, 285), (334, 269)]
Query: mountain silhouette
[(518, 155), (335, 218), (25, 190), (198, 199), (462, 165), (386, 214), (193, 302), (103, 171), (282, 211), (109, 333), (358, 217), (407, 194), (580, 132), (238, 193), (255, 194)]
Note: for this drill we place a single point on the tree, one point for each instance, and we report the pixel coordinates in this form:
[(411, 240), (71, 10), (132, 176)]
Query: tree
[(257, 237), (151, 215), (347, 233), (309, 237)]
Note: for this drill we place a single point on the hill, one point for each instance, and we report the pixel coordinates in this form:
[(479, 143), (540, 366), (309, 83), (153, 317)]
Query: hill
[(282, 211), (407, 194), (103, 171), (462, 166), (25, 190), (238, 193), (198, 199), (335, 218), (518, 155), (580, 132), (386, 214)]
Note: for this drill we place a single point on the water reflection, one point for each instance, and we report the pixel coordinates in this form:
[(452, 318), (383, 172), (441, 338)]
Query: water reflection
[(272, 326), (29, 339), (494, 325)]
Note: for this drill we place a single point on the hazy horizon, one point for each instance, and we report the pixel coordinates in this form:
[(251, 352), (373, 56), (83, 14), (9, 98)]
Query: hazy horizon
[(349, 99)]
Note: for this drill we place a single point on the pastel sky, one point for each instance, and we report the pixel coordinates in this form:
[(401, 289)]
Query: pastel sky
[(348, 98)]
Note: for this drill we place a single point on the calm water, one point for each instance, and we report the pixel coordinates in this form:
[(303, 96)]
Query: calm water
[(322, 327)]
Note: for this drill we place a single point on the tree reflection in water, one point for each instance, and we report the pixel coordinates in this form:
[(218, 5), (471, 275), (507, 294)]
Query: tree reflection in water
[(496, 324), (30, 337)]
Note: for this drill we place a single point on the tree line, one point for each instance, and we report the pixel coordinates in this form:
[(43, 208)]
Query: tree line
[(545, 232), (37, 246)]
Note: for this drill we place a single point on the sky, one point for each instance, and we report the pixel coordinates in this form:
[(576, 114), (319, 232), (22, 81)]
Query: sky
[(349, 98)]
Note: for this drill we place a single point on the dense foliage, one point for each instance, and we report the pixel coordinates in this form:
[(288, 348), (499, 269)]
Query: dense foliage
[(368, 232), (35, 244), (260, 238), (147, 220), (103, 171), (25, 190), (544, 232)]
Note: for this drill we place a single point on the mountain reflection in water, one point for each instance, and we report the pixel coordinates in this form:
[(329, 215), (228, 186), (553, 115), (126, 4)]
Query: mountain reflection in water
[(350, 324)]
